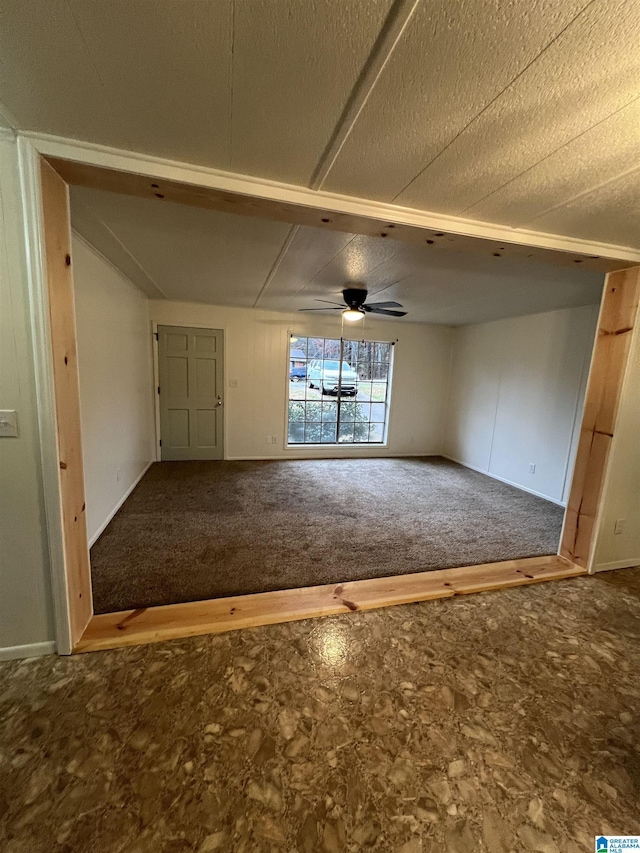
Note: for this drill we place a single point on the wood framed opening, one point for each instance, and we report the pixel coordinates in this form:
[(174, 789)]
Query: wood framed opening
[(617, 319)]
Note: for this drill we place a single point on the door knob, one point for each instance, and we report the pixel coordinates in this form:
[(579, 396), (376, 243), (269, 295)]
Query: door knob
[(219, 401)]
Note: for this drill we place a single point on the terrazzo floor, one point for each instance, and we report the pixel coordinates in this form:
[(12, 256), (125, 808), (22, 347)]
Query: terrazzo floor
[(498, 722)]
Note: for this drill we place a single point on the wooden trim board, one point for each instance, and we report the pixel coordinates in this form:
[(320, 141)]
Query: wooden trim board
[(155, 624), (163, 190), (57, 251), (618, 316)]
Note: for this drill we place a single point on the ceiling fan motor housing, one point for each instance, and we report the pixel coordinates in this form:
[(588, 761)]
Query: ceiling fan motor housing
[(354, 297)]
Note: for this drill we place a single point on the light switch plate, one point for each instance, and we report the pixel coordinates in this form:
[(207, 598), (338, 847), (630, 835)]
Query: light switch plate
[(233, 383), (8, 423)]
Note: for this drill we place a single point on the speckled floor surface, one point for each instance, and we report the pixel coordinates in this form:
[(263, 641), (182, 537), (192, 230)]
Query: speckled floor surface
[(506, 721)]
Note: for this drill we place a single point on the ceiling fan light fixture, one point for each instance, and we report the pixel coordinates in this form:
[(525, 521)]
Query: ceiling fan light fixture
[(352, 315)]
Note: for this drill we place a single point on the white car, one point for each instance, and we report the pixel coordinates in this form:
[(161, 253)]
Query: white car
[(326, 376)]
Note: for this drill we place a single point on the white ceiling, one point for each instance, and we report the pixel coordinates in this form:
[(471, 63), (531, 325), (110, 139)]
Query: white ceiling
[(521, 113), (188, 253)]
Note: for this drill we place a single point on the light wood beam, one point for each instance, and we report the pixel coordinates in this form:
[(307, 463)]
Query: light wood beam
[(57, 250), (618, 316), (154, 624), (209, 198)]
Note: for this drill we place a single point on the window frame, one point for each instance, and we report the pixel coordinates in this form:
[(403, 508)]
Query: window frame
[(352, 445)]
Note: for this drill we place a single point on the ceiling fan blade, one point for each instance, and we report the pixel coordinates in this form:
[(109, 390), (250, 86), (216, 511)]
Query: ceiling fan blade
[(384, 311), (339, 308), (340, 304), (385, 305)]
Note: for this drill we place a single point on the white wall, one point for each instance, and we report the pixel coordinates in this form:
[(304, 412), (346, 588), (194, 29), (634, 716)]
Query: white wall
[(622, 488), (116, 383), (257, 356), (516, 388), (26, 611)]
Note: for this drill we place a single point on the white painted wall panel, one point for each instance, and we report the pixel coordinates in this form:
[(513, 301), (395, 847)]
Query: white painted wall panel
[(116, 383), (476, 365), (622, 489), (514, 394), (257, 356), (26, 608)]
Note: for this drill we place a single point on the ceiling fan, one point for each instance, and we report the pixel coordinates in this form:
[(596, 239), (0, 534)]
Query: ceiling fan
[(357, 307)]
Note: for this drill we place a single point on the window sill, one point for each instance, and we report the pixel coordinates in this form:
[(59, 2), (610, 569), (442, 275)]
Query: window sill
[(349, 446)]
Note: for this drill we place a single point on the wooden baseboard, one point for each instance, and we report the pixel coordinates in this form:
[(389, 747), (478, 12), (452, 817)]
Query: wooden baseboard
[(172, 621)]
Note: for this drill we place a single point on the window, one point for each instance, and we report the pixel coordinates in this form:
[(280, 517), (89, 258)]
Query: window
[(338, 390)]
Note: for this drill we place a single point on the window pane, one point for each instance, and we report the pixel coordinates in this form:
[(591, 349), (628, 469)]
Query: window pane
[(376, 432), (328, 433), (329, 412), (312, 433), (377, 412), (361, 431), (296, 411), (379, 370), (378, 392), (296, 432), (363, 411), (347, 412), (345, 433), (300, 346), (315, 347), (314, 411)]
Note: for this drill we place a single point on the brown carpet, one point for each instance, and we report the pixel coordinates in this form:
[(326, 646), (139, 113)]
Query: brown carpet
[(196, 530)]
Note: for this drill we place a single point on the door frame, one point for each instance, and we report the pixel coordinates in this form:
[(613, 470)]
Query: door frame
[(91, 165)]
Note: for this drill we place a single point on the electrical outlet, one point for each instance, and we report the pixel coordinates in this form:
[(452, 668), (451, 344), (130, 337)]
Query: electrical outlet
[(618, 527), (274, 439), (532, 468)]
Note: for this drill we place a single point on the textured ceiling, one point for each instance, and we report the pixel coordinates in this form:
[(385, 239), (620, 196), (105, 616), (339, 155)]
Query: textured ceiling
[(187, 253), (520, 113)]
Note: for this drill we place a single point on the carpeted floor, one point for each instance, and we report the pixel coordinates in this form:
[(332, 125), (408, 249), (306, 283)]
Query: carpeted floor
[(196, 530)]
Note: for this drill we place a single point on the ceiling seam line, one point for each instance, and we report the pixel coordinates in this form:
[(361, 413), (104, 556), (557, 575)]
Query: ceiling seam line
[(386, 42), (392, 284), (119, 242), (547, 156), (399, 251), (323, 268), (494, 99), (288, 240), (316, 274), (580, 195)]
